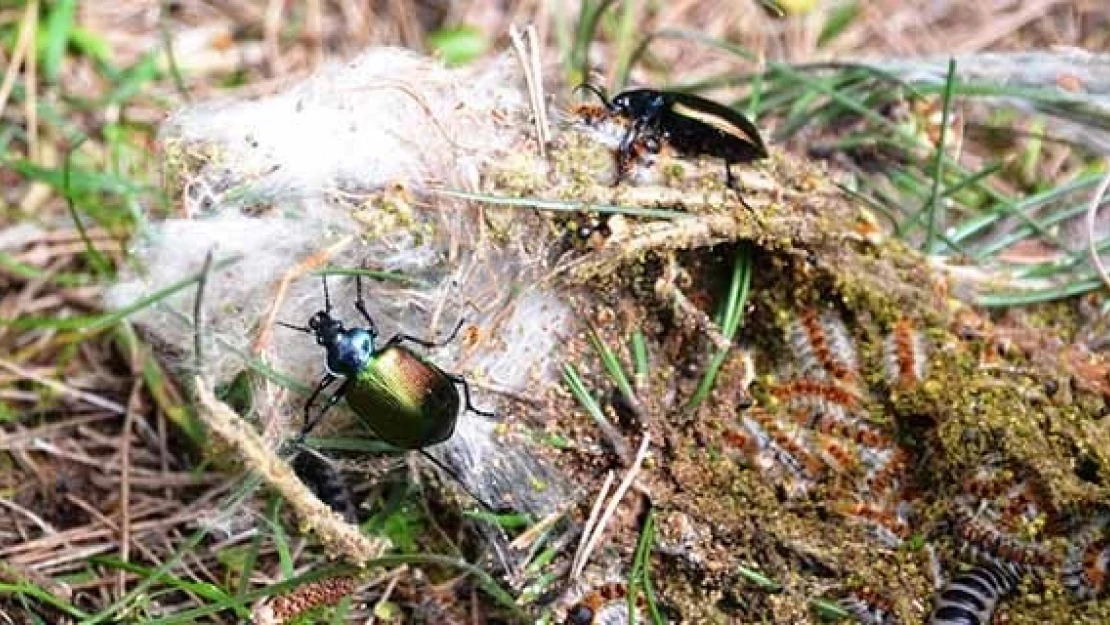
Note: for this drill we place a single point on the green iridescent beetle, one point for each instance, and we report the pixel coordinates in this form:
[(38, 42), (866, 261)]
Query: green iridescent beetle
[(402, 398)]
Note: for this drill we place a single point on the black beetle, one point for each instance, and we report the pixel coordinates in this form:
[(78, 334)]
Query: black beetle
[(688, 123)]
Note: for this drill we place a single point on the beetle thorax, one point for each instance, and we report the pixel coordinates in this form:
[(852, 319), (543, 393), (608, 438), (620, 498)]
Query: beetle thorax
[(350, 352)]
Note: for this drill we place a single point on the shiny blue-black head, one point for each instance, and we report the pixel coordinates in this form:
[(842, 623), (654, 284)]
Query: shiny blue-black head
[(348, 351), (639, 104)]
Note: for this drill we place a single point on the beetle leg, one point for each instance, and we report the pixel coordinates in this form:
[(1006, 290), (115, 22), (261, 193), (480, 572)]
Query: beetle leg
[(310, 422), (623, 151), (397, 339), (360, 304), (730, 182), (458, 379)]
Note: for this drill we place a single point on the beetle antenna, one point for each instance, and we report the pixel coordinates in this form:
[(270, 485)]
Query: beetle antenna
[(598, 91), (327, 298), (458, 480), (293, 327)]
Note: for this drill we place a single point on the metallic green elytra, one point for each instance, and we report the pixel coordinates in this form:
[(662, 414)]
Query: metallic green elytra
[(402, 398)]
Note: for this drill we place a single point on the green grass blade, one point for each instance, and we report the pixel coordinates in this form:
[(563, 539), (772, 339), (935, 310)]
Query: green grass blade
[(377, 274), (933, 206), (639, 358), (589, 404), (40, 594), (613, 367), (59, 26), (732, 317), (758, 579), (639, 577)]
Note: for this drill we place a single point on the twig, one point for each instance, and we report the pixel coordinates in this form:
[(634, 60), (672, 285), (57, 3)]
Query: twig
[(666, 289), (394, 577), (1092, 211), (532, 533), (599, 529), (125, 481), (337, 535), (529, 61), (587, 530), (36, 519)]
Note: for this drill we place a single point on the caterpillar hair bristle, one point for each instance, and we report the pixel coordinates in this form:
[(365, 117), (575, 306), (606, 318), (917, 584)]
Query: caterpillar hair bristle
[(791, 445), (882, 480), (739, 441), (885, 524), (817, 393), (839, 455), (841, 426)]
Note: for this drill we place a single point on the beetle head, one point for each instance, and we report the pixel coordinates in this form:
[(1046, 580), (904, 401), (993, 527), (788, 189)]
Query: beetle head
[(326, 329), (640, 104)]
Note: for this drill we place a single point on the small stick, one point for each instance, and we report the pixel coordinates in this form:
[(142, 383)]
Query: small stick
[(586, 531), (665, 289), (529, 61), (599, 529)]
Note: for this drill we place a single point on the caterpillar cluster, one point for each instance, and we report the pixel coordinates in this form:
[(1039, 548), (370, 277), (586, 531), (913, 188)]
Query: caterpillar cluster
[(992, 513), (1084, 571), (988, 521), (816, 429)]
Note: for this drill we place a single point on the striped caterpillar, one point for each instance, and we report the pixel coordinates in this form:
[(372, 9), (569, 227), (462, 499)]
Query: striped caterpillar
[(988, 542), (970, 598), (822, 346), (905, 358)]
